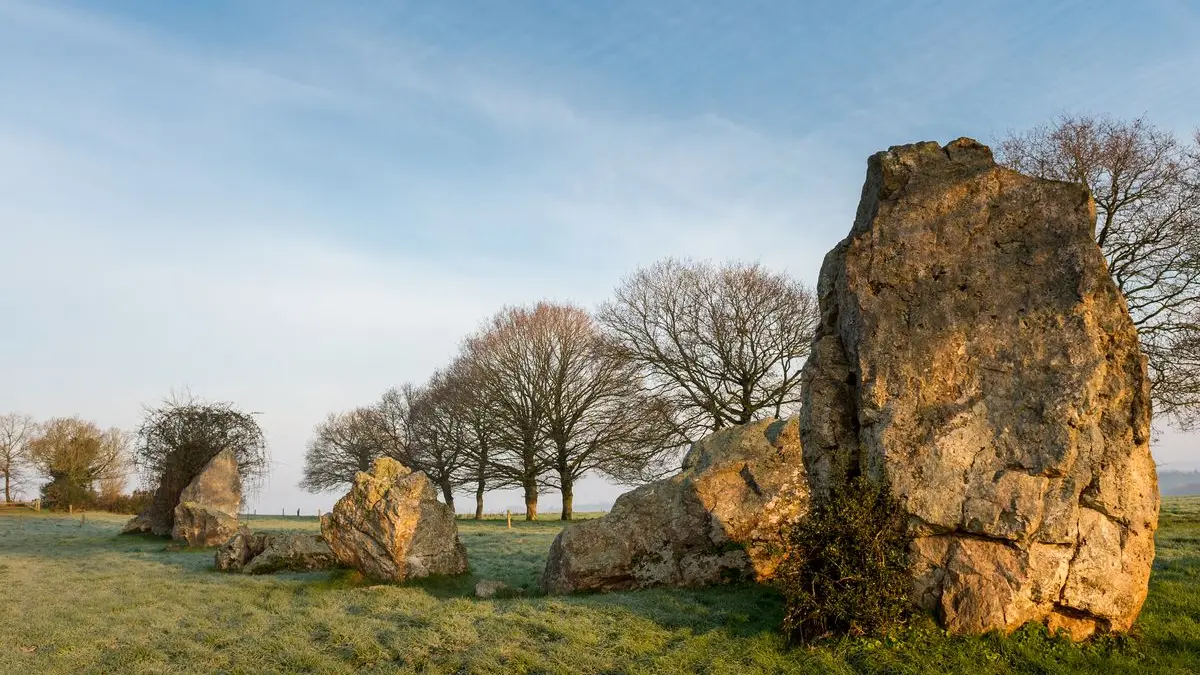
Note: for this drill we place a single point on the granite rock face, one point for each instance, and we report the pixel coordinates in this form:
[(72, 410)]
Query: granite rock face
[(391, 527), (270, 552), (974, 352), (720, 519), (208, 507)]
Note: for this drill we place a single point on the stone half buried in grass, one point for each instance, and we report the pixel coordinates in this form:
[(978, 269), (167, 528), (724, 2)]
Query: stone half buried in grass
[(488, 588), (974, 351), (139, 524), (391, 527), (719, 520), (270, 552)]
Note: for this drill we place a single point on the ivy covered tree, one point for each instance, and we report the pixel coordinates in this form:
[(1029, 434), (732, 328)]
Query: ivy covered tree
[(178, 438)]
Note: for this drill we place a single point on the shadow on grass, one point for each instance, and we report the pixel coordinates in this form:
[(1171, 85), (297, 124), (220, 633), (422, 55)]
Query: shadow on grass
[(740, 610)]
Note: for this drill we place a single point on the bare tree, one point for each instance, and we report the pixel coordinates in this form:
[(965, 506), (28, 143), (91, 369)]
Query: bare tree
[(470, 403), (76, 454), (595, 414), (1146, 185), (722, 345), (112, 486), (506, 368), (177, 440), (437, 436), (419, 430), (15, 432), (342, 445)]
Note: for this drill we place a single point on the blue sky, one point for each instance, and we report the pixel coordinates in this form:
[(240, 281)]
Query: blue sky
[(295, 205)]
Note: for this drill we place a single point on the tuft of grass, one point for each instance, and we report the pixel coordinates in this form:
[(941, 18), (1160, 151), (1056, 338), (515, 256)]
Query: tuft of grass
[(79, 599)]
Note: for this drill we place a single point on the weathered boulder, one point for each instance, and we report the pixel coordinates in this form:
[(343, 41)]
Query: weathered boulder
[(390, 526), (974, 352), (239, 549), (292, 553), (270, 552), (208, 507), (199, 525), (720, 519), (139, 524)]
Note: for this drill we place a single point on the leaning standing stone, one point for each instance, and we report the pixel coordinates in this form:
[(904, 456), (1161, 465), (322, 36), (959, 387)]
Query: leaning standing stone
[(208, 507)]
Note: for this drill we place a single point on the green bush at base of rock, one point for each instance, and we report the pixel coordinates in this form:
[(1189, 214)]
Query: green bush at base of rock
[(846, 567)]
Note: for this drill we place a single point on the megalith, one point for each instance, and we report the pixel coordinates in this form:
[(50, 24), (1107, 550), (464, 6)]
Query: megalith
[(207, 512), (975, 354)]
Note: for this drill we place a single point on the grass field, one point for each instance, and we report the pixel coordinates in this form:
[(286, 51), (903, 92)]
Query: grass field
[(79, 599)]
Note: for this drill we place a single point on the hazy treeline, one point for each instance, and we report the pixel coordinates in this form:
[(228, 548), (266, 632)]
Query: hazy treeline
[(80, 465)]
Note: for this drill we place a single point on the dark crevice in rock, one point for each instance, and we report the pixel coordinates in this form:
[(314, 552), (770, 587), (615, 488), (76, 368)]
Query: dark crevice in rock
[(982, 536), (748, 478)]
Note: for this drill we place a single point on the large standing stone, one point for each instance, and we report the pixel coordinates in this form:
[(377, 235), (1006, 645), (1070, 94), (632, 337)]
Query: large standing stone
[(718, 520), (974, 351), (208, 507), (270, 552), (390, 526)]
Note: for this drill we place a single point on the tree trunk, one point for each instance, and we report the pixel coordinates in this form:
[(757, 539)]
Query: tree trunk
[(531, 500), (568, 496), (479, 501), (7, 495), (448, 494)]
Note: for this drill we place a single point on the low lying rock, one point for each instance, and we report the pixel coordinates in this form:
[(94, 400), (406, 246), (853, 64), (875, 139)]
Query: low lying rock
[(488, 588), (139, 524), (270, 552), (719, 520), (238, 550), (292, 553), (390, 526)]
